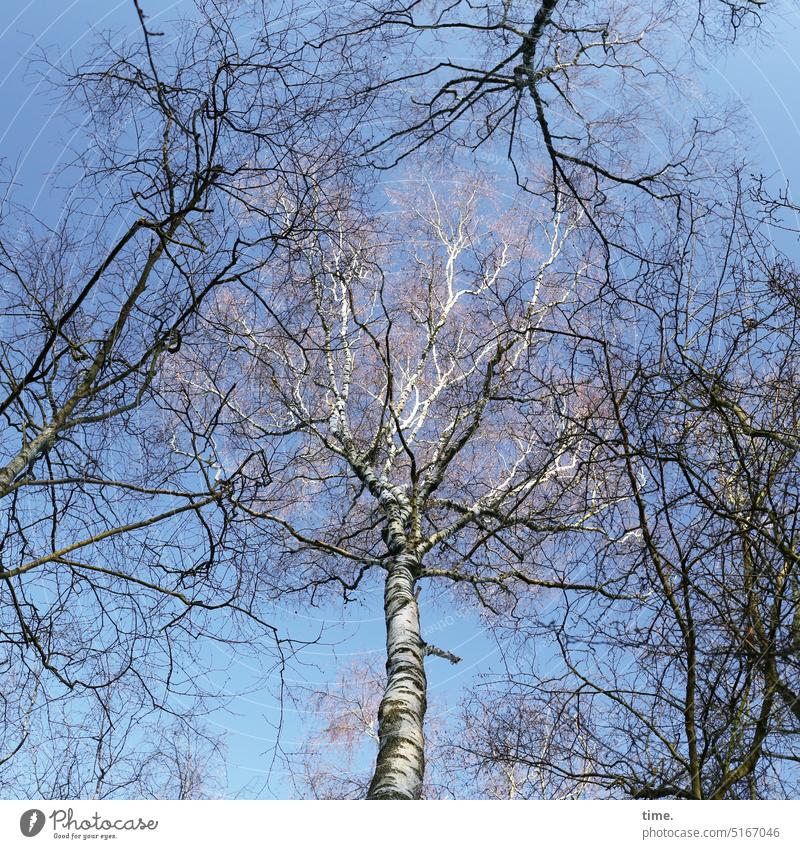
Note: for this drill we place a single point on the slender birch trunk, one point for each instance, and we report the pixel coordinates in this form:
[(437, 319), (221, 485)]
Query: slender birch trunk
[(401, 756)]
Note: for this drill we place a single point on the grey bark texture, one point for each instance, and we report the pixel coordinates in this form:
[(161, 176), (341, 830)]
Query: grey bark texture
[(400, 764)]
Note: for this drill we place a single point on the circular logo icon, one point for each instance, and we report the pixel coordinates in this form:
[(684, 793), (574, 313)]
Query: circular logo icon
[(31, 822)]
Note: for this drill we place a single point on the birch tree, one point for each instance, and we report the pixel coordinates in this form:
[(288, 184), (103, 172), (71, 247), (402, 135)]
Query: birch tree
[(230, 381), (407, 380)]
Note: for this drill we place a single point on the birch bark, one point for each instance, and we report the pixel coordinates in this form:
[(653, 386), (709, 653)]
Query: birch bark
[(401, 757)]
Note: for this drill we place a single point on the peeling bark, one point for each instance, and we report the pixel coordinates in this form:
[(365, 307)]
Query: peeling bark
[(401, 756)]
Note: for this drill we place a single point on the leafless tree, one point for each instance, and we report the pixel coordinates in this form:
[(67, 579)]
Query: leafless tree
[(690, 691), (347, 716), (337, 759), (592, 100), (407, 384), (230, 378), (113, 522)]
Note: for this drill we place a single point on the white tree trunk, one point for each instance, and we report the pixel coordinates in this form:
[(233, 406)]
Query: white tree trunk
[(401, 756)]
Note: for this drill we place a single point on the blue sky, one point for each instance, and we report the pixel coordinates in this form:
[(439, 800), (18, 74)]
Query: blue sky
[(764, 78)]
